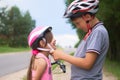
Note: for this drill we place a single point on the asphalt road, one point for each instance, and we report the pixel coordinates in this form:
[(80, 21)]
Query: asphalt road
[(13, 62)]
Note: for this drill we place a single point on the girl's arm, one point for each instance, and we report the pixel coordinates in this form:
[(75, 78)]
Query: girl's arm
[(85, 63), (40, 66)]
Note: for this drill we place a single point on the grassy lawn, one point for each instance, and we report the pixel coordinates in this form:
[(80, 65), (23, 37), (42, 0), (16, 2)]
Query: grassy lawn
[(6, 49), (113, 67)]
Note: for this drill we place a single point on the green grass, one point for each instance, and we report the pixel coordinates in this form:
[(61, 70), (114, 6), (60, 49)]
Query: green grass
[(54, 66), (24, 78), (6, 49), (113, 67)]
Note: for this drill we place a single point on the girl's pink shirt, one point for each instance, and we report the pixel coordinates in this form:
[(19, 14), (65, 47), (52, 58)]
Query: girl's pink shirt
[(47, 75)]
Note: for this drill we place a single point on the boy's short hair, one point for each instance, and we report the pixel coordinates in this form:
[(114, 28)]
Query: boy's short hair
[(79, 14)]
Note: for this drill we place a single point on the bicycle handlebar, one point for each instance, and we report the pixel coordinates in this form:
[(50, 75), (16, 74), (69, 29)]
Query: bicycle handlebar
[(62, 66)]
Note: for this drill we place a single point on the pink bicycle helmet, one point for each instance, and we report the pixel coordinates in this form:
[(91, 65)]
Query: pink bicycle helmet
[(37, 33), (81, 6)]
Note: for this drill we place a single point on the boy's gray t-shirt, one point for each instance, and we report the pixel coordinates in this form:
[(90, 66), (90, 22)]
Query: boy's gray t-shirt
[(98, 41)]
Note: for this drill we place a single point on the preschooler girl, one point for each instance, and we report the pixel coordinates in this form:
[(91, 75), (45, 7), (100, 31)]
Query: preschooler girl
[(40, 39)]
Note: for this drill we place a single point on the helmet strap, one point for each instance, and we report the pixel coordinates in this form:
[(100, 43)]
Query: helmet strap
[(43, 49), (50, 48), (88, 25), (44, 40), (89, 30)]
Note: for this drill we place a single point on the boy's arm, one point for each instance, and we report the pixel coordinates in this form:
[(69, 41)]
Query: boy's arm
[(85, 63)]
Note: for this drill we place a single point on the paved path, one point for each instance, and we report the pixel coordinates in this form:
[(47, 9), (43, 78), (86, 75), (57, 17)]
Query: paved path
[(19, 75), (57, 74), (13, 62)]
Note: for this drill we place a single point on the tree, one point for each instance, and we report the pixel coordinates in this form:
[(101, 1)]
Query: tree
[(17, 27), (3, 29), (110, 13)]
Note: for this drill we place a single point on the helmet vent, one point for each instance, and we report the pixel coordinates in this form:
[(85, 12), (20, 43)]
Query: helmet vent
[(91, 7), (77, 8), (79, 1), (84, 5), (91, 1), (70, 7), (96, 7)]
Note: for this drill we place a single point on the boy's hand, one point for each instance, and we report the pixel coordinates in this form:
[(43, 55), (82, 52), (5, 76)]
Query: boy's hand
[(57, 54)]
